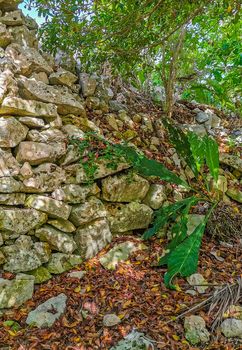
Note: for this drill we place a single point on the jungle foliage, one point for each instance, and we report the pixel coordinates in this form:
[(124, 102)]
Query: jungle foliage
[(189, 47)]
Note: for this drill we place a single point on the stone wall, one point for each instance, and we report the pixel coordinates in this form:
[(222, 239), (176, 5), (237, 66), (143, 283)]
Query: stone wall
[(50, 218)]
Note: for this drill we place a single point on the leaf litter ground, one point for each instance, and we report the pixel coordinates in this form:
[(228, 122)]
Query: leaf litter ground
[(134, 291)]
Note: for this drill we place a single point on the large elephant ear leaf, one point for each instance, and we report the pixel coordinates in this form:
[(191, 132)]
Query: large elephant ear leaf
[(182, 145), (183, 260), (212, 156)]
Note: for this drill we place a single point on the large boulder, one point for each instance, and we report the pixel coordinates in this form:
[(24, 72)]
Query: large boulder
[(19, 220), (92, 209), (20, 107), (14, 293), (13, 18), (50, 206), (128, 217), (12, 132), (67, 103), (124, 188), (39, 152), (93, 237), (43, 316), (25, 255), (24, 37), (57, 240), (88, 84), (47, 136)]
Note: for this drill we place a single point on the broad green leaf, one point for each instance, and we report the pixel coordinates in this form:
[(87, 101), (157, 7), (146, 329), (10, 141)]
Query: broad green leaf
[(183, 259), (212, 156), (165, 214), (198, 149), (181, 143), (150, 167)]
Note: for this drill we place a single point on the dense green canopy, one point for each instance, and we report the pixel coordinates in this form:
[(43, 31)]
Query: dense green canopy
[(193, 45)]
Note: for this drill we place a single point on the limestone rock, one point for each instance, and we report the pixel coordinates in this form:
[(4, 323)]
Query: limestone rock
[(57, 240), (92, 209), (103, 170), (13, 18), (5, 36), (20, 107), (47, 136), (25, 255), (63, 77), (231, 160), (24, 37), (195, 329), (66, 102), (128, 217), (111, 320), (135, 341), (32, 122), (9, 185), (155, 196), (73, 131), (197, 280), (77, 274), (8, 164), (15, 292), (93, 237), (120, 252), (197, 129), (235, 194), (193, 221), (41, 76), (60, 262), (124, 188), (45, 178), (9, 5), (12, 132), (41, 274), (88, 84), (43, 316), (12, 198), (38, 152), (19, 220), (232, 328), (8, 84), (73, 194), (62, 225), (27, 60), (202, 117), (52, 207)]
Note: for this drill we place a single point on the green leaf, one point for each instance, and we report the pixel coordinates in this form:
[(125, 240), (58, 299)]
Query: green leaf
[(212, 156), (181, 143), (198, 149), (165, 214), (183, 259), (150, 167)]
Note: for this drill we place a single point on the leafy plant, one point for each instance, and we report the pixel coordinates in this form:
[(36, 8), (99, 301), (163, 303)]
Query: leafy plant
[(182, 252)]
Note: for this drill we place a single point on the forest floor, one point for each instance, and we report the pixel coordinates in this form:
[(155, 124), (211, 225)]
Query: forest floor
[(134, 291)]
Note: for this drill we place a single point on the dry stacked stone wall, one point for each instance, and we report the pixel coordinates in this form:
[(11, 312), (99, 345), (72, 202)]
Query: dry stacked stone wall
[(50, 218)]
